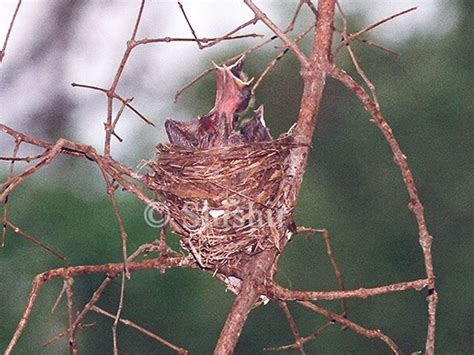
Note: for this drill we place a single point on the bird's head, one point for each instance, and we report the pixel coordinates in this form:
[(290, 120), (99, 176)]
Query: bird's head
[(233, 92)]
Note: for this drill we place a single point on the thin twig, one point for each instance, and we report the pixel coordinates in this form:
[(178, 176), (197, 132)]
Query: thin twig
[(359, 70), (384, 20), (116, 79), (233, 59), (25, 235), (4, 48), (369, 333), (304, 340), (5, 204), (63, 334), (59, 298), (346, 40), (123, 233), (319, 331), (219, 39), (141, 330), (212, 68), (26, 159), (117, 117), (293, 327), (272, 64), (70, 312), (281, 34), (291, 25), (364, 77), (125, 102), (54, 150), (139, 42), (332, 258), (118, 313)]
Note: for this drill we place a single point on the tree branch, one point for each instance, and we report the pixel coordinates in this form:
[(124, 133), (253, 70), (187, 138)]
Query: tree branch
[(313, 77), (274, 28), (415, 205), (274, 291), (369, 333), (4, 48), (110, 269), (256, 271)]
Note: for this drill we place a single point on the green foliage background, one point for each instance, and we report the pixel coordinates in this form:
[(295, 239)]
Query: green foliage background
[(351, 187)]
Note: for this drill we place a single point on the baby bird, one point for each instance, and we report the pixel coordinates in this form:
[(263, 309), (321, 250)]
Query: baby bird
[(216, 128), (255, 129), (182, 133)]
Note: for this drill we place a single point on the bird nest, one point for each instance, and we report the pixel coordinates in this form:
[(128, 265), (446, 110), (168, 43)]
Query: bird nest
[(226, 203)]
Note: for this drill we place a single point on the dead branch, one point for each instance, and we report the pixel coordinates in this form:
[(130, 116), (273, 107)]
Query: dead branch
[(303, 340), (272, 64), (332, 258), (125, 102), (113, 86), (349, 37)]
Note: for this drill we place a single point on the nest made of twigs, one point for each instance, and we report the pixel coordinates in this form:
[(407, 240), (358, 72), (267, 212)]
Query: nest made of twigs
[(227, 202)]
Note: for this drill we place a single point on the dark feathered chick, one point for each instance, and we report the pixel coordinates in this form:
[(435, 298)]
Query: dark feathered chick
[(255, 129), (182, 133)]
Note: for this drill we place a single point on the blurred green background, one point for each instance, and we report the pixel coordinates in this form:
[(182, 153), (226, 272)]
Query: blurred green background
[(351, 187)]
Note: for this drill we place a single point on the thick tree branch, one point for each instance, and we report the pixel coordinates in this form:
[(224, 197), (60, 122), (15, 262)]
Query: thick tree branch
[(314, 74), (257, 270)]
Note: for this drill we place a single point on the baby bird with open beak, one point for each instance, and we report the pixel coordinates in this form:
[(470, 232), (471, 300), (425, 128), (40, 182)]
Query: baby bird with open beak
[(215, 129)]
